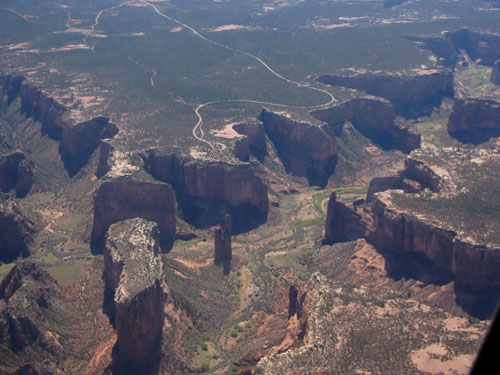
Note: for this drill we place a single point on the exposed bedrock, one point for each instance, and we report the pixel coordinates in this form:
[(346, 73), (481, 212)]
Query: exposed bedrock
[(304, 149), (474, 120), (415, 177), (481, 47), (134, 273), (16, 172), (495, 73), (411, 96), (206, 191), (126, 198), (253, 142), (222, 241), (35, 104), (390, 230), (103, 165), (79, 142), (25, 290), (16, 232), (375, 120)]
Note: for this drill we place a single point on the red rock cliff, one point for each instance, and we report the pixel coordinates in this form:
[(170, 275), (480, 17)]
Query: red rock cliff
[(474, 120), (304, 149), (207, 191), (125, 198)]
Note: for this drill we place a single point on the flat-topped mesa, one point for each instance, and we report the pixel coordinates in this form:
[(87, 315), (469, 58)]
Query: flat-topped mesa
[(495, 73), (253, 142), (207, 190), (16, 232), (412, 96), (305, 150), (474, 120), (79, 142), (393, 3), (375, 120), (124, 198), (134, 272), (16, 172)]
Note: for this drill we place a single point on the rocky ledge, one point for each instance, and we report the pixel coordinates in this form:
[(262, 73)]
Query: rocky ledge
[(452, 222), (77, 141), (134, 274), (375, 120), (305, 150), (16, 172), (208, 190), (412, 96), (474, 120)]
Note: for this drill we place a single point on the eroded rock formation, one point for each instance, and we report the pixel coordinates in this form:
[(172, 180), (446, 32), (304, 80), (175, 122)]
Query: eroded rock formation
[(484, 48), (16, 172), (253, 142), (16, 232), (206, 191), (222, 240), (495, 73), (304, 149), (134, 273), (415, 177), (79, 142), (474, 120), (393, 3), (105, 152), (375, 120), (411, 96), (125, 198)]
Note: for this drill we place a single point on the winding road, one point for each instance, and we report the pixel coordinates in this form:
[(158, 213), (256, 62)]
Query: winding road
[(197, 131)]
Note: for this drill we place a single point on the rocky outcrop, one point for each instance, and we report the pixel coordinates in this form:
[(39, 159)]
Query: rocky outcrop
[(415, 177), (206, 191), (375, 120), (474, 120), (222, 241), (134, 273), (304, 149), (79, 142), (484, 48), (296, 302), (16, 172), (26, 290), (126, 198), (16, 232), (411, 96), (253, 142), (495, 73), (105, 152), (344, 223)]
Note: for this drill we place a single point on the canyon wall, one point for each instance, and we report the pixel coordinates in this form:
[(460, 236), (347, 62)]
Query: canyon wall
[(304, 149), (411, 96), (374, 119), (474, 120), (134, 274), (16, 172), (253, 142), (16, 232), (77, 141), (126, 198), (206, 190)]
